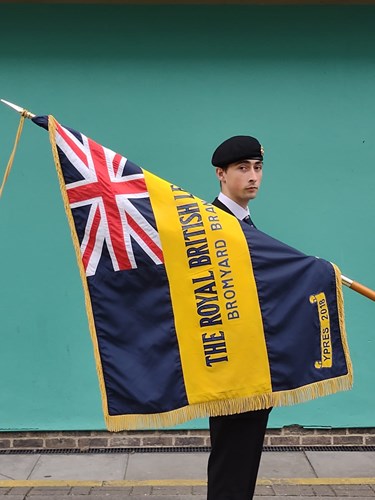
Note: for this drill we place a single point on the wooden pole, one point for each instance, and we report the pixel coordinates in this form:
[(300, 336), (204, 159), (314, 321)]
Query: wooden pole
[(358, 287)]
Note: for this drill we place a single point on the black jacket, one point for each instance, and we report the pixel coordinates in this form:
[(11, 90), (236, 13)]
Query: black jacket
[(219, 204)]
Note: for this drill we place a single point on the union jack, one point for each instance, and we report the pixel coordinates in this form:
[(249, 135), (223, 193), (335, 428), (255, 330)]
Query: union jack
[(102, 183)]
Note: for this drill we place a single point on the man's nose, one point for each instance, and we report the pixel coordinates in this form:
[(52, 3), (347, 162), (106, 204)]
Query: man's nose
[(252, 175)]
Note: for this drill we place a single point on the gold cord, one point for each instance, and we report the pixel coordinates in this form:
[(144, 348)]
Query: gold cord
[(24, 114)]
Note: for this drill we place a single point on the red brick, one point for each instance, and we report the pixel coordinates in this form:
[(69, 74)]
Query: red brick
[(353, 440), (189, 441), (28, 443), (316, 441), (124, 441), (157, 441), (92, 442), (285, 441), (61, 443), (361, 430)]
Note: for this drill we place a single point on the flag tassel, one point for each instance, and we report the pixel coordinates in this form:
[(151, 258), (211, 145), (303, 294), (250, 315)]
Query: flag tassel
[(13, 153)]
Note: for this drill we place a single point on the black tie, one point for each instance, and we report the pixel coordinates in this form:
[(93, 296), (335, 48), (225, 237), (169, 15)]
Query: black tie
[(248, 220)]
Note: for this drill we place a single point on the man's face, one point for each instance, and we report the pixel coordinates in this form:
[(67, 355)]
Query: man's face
[(240, 181)]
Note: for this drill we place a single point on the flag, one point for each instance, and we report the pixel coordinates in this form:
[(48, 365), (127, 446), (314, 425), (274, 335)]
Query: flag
[(191, 312)]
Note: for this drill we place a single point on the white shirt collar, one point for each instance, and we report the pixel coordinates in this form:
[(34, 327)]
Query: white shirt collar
[(234, 207)]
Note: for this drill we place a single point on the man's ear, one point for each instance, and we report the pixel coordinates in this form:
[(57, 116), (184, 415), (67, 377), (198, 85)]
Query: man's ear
[(220, 173)]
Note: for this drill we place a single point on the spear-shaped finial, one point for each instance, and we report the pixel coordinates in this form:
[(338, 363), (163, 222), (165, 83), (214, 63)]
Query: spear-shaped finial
[(20, 110), (24, 114)]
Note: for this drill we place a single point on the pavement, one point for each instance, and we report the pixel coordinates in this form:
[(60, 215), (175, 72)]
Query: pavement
[(173, 475)]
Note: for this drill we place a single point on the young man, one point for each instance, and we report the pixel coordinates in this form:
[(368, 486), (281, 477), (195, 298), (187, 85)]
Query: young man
[(236, 440)]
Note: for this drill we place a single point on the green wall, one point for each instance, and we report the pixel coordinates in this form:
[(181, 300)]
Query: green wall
[(164, 85)]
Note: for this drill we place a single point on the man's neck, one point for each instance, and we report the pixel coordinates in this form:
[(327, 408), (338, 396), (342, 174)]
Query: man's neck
[(235, 208)]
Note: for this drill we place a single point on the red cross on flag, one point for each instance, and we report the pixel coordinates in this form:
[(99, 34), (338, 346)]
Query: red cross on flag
[(107, 189)]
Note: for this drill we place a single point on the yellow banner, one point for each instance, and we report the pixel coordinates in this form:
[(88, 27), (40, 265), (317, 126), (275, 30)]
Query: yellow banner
[(214, 297)]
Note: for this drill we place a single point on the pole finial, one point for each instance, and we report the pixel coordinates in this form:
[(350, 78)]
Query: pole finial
[(20, 110)]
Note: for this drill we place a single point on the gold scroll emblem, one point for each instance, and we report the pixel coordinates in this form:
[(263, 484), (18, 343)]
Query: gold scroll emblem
[(325, 331)]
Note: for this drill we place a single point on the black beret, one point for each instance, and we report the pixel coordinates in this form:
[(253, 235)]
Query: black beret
[(237, 148)]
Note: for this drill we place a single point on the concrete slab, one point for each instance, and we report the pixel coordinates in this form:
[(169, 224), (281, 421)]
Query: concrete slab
[(98, 467), (342, 463), (22, 497), (17, 466), (144, 466), (291, 464)]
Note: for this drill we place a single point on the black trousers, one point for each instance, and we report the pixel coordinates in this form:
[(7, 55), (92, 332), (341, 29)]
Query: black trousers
[(236, 448)]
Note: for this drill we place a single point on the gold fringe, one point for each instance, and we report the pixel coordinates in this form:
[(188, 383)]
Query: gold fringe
[(230, 406), (24, 115), (90, 316), (340, 307)]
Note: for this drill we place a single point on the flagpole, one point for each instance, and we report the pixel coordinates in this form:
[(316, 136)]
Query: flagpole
[(358, 287)]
